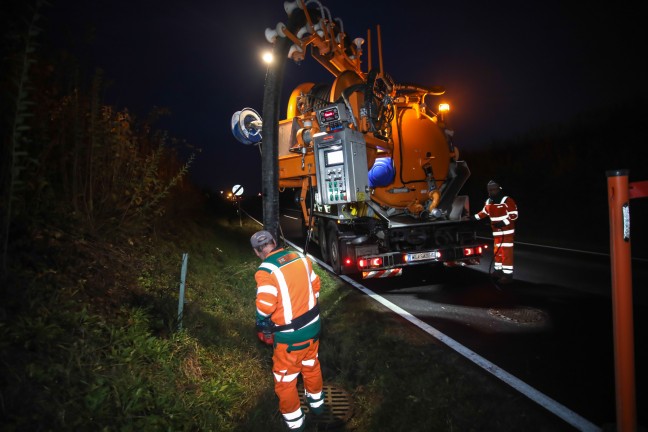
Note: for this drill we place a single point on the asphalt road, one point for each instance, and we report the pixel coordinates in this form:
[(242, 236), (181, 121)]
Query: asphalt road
[(551, 327)]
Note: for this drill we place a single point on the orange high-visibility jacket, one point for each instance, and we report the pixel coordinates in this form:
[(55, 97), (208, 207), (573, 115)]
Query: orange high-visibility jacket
[(506, 211), (287, 286)]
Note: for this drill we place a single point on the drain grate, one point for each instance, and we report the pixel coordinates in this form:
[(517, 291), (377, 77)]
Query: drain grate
[(523, 315), (338, 407)]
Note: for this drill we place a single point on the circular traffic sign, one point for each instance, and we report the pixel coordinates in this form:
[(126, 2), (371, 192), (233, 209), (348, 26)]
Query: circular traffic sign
[(237, 190)]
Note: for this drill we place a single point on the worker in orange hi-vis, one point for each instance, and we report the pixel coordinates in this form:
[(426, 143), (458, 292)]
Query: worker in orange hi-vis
[(287, 304), (503, 213)]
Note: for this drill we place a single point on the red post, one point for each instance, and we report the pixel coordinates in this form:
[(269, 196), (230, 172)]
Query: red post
[(618, 202)]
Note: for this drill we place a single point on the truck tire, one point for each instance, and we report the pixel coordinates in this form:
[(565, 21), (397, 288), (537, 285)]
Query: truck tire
[(322, 239), (333, 243)]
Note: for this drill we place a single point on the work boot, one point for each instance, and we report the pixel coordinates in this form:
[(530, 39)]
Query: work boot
[(497, 274)]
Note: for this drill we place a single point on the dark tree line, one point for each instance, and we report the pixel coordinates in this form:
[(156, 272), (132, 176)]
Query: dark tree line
[(68, 157)]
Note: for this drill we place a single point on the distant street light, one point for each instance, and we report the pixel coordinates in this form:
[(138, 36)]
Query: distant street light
[(267, 57)]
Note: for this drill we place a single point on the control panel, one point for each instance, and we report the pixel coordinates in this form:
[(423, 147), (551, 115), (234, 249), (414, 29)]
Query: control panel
[(342, 174), (333, 117)]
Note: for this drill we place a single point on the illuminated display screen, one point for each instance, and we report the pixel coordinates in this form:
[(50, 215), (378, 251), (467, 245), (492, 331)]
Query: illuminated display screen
[(329, 115), (334, 157)]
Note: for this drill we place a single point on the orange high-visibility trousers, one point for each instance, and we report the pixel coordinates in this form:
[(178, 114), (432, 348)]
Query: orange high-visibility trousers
[(503, 247), (286, 368)]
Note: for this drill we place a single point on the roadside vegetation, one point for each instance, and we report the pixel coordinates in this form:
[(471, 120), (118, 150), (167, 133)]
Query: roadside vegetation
[(96, 214), (90, 342)]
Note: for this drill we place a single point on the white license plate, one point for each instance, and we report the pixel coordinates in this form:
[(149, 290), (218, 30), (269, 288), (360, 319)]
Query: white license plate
[(422, 256)]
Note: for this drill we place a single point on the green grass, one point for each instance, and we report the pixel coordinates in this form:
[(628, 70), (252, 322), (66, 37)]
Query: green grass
[(98, 349)]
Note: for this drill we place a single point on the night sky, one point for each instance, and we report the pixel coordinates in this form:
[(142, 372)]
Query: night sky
[(507, 66)]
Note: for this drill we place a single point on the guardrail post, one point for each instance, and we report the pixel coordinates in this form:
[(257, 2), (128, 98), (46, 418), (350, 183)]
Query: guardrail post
[(622, 316)]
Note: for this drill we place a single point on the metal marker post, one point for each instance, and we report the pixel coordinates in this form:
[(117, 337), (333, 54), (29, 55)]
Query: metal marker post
[(619, 209), (183, 276), (237, 190)]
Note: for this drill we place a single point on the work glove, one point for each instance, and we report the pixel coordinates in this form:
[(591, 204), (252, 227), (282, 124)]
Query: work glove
[(499, 224)]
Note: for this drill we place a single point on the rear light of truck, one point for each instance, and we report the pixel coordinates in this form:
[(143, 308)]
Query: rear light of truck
[(370, 262), (470, 251)]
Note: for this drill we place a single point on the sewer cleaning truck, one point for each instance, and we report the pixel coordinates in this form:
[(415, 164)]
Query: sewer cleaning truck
[(375, 171)]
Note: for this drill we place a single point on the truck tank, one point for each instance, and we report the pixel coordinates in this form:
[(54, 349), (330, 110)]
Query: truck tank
[(409, 168)]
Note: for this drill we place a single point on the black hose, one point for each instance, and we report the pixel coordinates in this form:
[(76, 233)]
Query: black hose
[(310, 215)]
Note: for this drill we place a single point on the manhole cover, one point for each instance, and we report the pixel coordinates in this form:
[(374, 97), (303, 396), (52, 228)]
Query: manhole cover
[(338, 407), (521, 315)]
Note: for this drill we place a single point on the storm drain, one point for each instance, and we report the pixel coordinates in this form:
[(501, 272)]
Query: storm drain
[(338, 407), (521, 315)]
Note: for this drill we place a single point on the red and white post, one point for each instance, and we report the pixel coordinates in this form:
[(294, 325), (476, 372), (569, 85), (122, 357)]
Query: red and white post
[(622, 315)]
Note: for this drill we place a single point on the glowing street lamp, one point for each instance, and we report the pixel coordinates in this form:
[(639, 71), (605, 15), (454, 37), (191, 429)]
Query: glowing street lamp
[(267, 57)]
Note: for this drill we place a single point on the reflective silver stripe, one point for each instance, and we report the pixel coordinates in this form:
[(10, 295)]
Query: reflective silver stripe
[(506, 271), (266, 303), (514, 212), (289, 378), (311, 297), (317, 404), (268, 266), (507, 222), (506, 244), (310, 362), (279, 375), (508, 267), (500, 233), (498, 218), (283, 287), (313, 395), (293, 415), (268, 289), (503, 199), (262, 313)]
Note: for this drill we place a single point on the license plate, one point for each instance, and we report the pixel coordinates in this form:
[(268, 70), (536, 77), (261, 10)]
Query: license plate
[(422, 256)]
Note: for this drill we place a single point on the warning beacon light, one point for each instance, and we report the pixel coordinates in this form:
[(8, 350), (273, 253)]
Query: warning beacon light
[(444, 108)]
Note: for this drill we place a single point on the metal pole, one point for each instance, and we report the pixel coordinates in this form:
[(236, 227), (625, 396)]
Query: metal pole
[(270, 129), (183, 276), (619, 209), (270, 133), (238, 202)]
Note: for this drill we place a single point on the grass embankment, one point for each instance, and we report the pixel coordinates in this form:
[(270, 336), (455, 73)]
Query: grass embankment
[(89, 342)]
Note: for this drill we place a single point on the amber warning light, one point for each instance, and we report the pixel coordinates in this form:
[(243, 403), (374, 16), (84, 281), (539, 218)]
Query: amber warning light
[(444, 108)]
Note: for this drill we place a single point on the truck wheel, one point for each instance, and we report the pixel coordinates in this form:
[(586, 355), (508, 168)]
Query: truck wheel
[(322, 239), (334, 250)]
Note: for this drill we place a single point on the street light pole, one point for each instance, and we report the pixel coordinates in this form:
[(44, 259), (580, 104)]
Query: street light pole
[(270, 133)]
